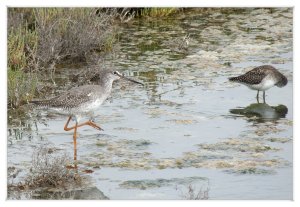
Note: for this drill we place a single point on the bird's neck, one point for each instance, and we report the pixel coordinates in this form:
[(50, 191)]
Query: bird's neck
[(108, 85)]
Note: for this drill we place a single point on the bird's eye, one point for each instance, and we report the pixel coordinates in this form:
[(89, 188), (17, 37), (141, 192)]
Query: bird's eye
[(115, 73)]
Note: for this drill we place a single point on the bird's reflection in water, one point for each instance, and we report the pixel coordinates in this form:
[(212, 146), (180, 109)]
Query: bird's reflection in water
[(262, 112)]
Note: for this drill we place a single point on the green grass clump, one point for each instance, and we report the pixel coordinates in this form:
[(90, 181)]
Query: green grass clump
[(158, 12), (21, 49), (22, 44), (21, 87)]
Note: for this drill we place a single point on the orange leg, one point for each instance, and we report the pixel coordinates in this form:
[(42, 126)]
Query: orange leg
[(66, 125), (75, 142), (89, 123), (66, 128)]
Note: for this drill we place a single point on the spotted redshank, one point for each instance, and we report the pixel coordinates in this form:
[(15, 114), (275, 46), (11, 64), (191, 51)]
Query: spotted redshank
[(82, 100), (261, 78)]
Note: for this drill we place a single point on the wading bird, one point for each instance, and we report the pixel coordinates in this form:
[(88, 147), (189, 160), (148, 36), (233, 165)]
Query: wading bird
[(82, 100), (261, 78)]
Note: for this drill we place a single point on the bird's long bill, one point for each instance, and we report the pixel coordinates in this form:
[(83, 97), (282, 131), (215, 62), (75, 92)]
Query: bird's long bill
[(131, 80)]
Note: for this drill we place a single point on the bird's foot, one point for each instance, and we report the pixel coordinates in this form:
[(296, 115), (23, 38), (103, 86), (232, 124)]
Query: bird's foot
[(93, 124)]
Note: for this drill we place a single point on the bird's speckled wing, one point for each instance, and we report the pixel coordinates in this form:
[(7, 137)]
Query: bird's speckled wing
[(253, 76), (70, 99)]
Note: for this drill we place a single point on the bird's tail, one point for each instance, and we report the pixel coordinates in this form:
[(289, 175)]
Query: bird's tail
[(40, 103), (283, 81), (233, 79)]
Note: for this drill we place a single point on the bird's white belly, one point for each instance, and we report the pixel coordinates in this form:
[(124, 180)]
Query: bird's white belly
[(92, 105), (264, 85), (85, 108), (61, 111)]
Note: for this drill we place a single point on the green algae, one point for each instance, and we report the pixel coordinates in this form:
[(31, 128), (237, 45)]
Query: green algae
[(158, 183)]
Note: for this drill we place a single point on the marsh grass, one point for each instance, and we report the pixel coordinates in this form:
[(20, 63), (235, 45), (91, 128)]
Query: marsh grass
[(21, 87), (22, 47), (48, 169), (194, 194), (73, 33), (53, 35), (158, 12)]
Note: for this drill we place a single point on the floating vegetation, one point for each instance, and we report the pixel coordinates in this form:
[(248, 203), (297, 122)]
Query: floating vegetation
[(279, 140), (125, 129), (182, 121), (158, 183), (143, 184), (236, 144), (251, 170), (267, 128), (190, 188), (232, 153)]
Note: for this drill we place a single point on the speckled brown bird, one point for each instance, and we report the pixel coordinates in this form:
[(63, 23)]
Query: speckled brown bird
[(82, 100), (261, 78)]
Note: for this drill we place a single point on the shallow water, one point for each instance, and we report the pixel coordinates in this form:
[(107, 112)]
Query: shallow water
[(178, 130)]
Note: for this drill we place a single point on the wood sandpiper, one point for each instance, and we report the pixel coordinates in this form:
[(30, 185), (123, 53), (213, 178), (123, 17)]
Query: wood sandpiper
[(261, 78)]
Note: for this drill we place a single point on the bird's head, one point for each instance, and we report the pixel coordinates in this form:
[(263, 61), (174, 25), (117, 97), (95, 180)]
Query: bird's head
[(116, 75)]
